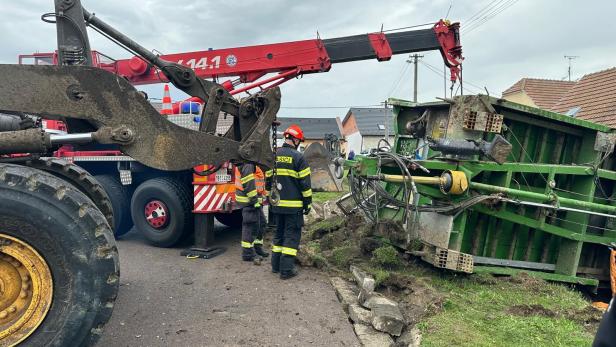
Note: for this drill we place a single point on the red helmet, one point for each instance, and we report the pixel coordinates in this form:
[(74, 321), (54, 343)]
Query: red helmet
[(294, 131)]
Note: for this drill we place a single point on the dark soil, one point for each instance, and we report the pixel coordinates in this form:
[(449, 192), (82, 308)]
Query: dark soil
[(531, 310), (586, 316)]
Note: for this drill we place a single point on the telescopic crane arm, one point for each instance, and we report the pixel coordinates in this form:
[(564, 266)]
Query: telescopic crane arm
[(291, 59)]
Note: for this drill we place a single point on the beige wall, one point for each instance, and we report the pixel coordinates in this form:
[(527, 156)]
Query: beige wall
[(370, 142), (521, 98)]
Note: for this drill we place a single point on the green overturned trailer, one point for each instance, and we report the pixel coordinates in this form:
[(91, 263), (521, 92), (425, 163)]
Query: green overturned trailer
[(479, 184)]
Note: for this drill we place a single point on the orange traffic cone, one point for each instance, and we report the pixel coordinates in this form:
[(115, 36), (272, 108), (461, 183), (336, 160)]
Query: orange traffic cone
[(167, 107)]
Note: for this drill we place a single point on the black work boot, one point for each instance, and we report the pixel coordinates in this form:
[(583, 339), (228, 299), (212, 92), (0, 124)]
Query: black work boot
[(276, 262), (260, 252), (248, 254), (287, 267)]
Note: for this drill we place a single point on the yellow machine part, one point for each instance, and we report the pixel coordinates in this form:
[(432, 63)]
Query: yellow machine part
[(459, 183), (26, 290)]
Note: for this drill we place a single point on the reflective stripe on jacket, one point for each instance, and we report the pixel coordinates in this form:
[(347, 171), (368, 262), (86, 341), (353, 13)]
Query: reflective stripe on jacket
[(250, 187)]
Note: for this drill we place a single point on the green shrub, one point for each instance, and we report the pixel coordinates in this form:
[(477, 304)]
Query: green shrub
[(342, 256), (380, 276), (386, 256)]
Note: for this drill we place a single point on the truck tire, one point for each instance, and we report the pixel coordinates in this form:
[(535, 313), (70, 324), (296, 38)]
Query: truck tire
[(58, 261), (162, 210), (119, 196), (232, 220)]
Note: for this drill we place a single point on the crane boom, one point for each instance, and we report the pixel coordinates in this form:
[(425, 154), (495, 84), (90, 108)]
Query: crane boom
[(291, 59)]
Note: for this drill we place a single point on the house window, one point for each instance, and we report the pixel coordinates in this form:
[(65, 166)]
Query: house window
[(381, 127)]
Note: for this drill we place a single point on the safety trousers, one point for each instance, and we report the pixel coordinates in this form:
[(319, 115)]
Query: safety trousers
[(286, 241), (253, 224)]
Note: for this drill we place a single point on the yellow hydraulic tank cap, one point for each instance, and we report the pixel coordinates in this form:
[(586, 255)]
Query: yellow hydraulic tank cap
[(453, 182)]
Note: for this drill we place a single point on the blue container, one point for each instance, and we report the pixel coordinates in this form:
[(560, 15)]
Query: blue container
[(191, 107)]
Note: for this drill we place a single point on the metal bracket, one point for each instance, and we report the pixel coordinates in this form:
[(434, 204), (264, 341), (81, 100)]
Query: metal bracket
[(209, 116)]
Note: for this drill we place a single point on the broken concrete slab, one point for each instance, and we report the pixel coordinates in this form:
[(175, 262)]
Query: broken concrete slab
[(359, 314), (389, 319), (375, 299), (372, 338), (345, 291), (410, 338), (363, 295), (363, 279)]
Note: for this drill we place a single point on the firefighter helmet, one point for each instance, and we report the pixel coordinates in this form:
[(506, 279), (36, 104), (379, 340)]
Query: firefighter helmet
[(294, 131)]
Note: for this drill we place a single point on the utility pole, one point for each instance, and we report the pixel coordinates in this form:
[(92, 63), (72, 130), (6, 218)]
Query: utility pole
[(570, 58), (415, 61), (386, 122)]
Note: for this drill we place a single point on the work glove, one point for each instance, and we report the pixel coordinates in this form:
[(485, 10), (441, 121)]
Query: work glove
[(307, 209)]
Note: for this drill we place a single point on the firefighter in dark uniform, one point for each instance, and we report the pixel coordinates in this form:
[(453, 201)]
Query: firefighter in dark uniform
[(293, 184), (250, 193)]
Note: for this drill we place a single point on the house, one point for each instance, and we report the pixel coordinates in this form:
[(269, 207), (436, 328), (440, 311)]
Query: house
[(314, 129), (364, 127), (537, 92), (592, 98)]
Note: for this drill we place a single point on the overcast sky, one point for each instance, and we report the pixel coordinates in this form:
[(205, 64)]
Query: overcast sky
[(526, 39)]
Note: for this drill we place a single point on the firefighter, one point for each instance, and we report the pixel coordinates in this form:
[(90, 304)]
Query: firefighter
[(250, 194), (293, 183)]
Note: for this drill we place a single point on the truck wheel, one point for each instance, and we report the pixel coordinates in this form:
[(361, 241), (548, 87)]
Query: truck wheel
[(232, 220), (119, 196), (161, 209), (59, 265)]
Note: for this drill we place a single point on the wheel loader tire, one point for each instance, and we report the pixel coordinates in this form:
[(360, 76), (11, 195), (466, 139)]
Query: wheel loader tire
[(119, 196), (58, 261), (232, 220), (161, 209), (79, 178)]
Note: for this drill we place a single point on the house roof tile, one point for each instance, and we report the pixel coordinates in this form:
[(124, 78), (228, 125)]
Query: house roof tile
[(545, 93), (595, 95)]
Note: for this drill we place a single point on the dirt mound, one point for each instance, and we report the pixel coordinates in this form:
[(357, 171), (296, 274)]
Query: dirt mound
[(531, 310), (587, 316), (526, 280)]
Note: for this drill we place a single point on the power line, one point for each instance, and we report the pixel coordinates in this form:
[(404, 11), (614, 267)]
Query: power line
[(477, 14), (487, 11), (397, 83), (449, 9), (441, 74), (495, 12), (409, 27)]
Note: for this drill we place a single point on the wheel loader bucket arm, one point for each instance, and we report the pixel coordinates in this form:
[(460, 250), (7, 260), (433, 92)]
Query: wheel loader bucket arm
[(123, 116)]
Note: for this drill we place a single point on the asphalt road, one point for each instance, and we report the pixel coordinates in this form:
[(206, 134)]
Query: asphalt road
[(168, 300)]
